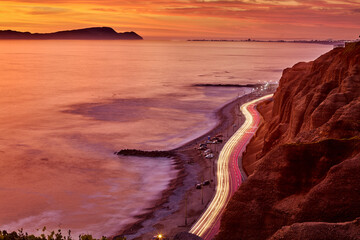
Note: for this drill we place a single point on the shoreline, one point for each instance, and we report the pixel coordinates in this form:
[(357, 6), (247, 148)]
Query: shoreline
[(167, 214)]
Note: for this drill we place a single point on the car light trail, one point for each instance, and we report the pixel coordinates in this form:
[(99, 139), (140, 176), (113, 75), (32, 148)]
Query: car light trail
[(228, 173)]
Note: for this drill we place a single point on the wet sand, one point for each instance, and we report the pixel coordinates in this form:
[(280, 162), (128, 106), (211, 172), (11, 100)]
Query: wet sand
[(182, 198)]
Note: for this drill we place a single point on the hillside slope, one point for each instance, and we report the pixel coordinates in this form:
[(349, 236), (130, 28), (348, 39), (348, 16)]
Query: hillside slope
[(94, 33), (306, 184)]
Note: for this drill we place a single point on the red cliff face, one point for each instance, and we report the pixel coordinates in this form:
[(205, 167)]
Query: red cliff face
[(307, 177), (318, 100)]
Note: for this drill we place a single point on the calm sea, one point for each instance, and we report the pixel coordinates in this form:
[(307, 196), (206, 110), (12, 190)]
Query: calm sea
[(66, 106)]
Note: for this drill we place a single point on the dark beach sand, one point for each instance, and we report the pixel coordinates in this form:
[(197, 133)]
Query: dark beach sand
[(167, 216)]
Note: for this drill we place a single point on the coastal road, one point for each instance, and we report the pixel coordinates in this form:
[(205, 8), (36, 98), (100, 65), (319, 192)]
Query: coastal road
[(229, 176)]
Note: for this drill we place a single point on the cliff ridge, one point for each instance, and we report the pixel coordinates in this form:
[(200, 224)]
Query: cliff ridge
[(306, 178)]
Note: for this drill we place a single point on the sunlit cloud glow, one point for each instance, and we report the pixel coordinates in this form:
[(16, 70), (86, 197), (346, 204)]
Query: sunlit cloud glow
[(184, 19)]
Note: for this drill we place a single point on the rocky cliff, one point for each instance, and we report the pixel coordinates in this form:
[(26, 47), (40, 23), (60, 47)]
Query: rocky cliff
[(94, 33), (306, 183)]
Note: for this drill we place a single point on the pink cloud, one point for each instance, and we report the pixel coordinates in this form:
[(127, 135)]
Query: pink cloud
[(308, 16)]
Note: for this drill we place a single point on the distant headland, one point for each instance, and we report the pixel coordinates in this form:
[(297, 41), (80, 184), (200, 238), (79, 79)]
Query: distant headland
[(329, 42), (94, 33)]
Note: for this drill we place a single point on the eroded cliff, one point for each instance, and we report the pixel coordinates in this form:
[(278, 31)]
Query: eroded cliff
[(306, 178)]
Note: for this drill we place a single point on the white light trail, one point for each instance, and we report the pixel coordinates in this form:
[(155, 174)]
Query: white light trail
[(211, 216)]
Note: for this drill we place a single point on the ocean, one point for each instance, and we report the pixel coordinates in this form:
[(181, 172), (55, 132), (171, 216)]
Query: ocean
[(67, 106)]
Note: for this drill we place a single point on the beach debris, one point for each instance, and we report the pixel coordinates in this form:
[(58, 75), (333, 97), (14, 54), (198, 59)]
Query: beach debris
[(210, 155), (206, 182), (200, 185), (207, 151), (202, 146), (216, 140)]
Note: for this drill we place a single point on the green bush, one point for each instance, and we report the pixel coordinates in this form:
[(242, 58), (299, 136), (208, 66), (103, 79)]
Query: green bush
[(20, 235)]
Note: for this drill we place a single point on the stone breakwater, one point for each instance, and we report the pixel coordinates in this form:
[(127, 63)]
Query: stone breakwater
[(141, 153)]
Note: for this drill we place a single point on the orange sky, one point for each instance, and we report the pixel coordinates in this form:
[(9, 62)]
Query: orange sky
[(188, 19)]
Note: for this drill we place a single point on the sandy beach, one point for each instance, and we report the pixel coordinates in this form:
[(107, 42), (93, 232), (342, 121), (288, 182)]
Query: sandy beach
[(182, 204)]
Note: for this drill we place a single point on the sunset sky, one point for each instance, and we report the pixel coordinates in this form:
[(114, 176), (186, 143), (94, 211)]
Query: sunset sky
[(189, 19)]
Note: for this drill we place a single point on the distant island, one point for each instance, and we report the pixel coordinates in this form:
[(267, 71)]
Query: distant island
[(94, 33)]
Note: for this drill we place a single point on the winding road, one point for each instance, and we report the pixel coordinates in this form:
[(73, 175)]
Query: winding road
[(229, 176)]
